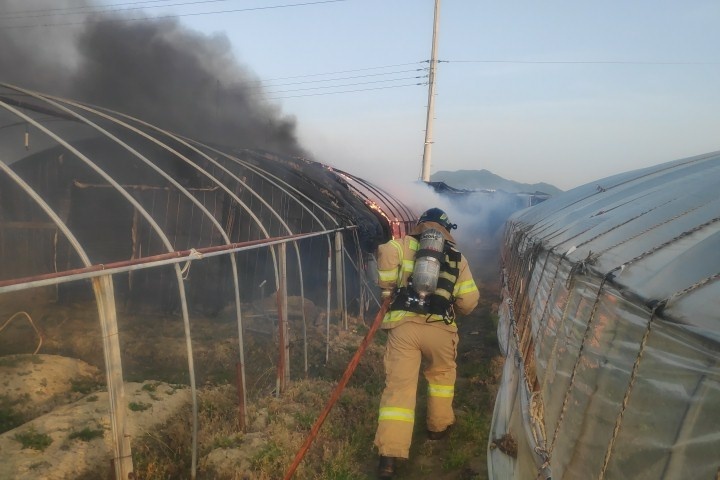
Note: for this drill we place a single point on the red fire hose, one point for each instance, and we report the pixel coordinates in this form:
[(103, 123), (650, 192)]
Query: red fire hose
[(338, 389)]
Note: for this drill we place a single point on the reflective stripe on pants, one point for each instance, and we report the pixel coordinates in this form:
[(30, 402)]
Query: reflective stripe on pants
[(407, 344)]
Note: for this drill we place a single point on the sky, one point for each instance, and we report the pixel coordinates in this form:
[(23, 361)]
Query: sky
[(562, 92)]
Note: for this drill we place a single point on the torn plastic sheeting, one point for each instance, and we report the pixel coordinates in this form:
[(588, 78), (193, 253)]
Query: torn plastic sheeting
[(503, 328), (501, 464)]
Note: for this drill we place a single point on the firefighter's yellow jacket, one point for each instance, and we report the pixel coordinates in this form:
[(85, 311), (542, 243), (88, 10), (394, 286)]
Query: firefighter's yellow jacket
[(396, 260)]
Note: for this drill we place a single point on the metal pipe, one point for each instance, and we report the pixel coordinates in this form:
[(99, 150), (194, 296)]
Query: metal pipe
[(149, 262), (344, 288), (148, 218), (329, 291), (361, 273), (364, 281), (107, 314), (338, 273), (302, 310), (239, 373), (170, 179)]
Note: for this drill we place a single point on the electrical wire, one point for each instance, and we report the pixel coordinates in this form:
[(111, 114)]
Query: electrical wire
[(347, 91), (340, 78), (345, 85), (84, 7), (88, 10), (345, 71), (178, 15), (579, 62), (267, 83)]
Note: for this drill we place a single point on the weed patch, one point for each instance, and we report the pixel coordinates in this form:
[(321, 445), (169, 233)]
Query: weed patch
[(9, 416), (84, 385), (86, 434), (139, 406), (33, 439), (17, 360)]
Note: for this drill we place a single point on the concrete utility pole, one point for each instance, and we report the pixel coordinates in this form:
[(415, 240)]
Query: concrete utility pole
[(427, 151)]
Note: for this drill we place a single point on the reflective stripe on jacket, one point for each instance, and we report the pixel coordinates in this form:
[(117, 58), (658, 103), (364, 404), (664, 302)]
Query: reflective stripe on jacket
[(396, 260)]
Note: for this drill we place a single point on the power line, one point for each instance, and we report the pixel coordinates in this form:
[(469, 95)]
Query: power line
[(347, 84), (551, 62), (341, 78), (178, 15), (347, 91), (84, 7), (345, 71), (87, 10), (265, 82), (579, 62)]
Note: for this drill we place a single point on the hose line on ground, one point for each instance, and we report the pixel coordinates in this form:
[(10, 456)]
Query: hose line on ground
[(338, 389)]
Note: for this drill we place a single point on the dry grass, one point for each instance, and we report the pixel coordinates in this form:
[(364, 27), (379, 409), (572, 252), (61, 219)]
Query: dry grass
[(277, 427)]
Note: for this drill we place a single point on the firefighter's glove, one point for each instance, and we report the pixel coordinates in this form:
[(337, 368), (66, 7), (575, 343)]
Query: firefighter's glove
[(386, 293)]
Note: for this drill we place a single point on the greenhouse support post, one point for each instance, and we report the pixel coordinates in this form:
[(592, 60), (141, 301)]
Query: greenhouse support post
[(283, 368), (329, 292), (122, 454), (339, 279)]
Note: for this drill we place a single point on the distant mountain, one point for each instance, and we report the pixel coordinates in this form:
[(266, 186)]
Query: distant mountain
[(486, 180)]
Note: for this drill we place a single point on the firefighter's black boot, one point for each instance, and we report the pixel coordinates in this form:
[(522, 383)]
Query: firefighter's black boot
[(386, 468), (439, 435)]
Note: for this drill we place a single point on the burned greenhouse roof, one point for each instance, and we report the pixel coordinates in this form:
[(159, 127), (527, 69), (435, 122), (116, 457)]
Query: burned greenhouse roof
[(98, 169)]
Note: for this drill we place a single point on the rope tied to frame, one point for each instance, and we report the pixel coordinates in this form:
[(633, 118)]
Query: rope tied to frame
[(579, 268), (574, 371), (658, 306), (694, 286), (194, 255), (537, 418)]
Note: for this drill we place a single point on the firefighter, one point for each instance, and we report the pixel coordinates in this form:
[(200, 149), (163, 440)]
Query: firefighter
[(420, 325)]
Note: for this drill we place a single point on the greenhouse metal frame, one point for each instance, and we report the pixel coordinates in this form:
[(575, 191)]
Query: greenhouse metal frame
[(244, 200)]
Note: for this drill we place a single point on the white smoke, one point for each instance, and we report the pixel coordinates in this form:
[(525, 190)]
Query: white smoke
[(480, 217)]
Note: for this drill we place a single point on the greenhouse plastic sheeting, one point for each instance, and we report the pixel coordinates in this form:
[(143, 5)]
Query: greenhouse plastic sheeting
[(610, 328)]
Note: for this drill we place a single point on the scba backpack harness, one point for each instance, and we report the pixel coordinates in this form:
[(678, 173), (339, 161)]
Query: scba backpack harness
[(430, 287)]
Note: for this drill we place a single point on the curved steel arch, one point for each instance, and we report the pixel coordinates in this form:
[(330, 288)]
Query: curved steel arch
[(403, 211), (237, 179), (265, 174), (179, 187), (102, 288), (154, 225), (80, 112), (222, 185)]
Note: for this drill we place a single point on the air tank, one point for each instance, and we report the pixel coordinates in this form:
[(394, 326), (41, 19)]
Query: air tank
[(427, 262)]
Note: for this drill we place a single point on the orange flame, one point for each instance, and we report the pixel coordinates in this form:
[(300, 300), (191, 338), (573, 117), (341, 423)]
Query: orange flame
[(393, 224)]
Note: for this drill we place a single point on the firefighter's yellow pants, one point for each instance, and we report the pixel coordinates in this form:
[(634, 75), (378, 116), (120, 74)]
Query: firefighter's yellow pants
[(407, 345)]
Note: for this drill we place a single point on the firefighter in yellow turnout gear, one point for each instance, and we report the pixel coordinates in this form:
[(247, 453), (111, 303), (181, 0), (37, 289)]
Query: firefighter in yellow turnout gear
[(420, 328)]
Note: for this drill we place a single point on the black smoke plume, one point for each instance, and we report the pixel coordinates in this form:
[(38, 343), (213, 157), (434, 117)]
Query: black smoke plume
[(154, 69)]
